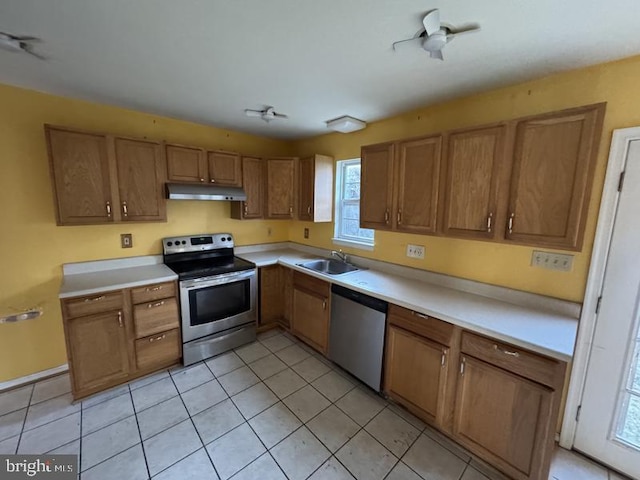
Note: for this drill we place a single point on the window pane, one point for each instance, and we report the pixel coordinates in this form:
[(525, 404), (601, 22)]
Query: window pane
[(630, 425), (351, 191), (350, 227), (352, 174), (365, 233), (348, 204), (351, 211)]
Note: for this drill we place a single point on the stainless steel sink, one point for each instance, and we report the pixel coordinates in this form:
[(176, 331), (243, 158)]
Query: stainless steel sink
[(329, 266)]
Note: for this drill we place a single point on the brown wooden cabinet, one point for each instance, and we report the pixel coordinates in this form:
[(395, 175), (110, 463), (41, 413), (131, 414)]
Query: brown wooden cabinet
[(553, 164), (376, 186), (141, 178), (311, 310), (253, 184), (103, 179), (275, 296), (315, 189), (185, 164), (474, 183), (280, 188), (115, 336), (506, 405), (225, 168), (400, 185)]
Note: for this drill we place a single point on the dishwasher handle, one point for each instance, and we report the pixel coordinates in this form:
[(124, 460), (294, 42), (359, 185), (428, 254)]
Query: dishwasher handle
[(361, 298)]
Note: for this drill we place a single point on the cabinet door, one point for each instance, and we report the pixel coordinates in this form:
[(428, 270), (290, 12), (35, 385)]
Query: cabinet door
[(271, 297), (474, 167), (224, 169), (418, 180), (186, 164), (553, 165), (80, 172), (140, 180), (416, 372), (503, 418), (97, 346), (280, 187), (252, 182), (376, 186), (311, 317), (305, 189)]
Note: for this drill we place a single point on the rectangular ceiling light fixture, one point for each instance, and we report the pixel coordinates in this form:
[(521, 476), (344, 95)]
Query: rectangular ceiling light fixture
[(346, 124)]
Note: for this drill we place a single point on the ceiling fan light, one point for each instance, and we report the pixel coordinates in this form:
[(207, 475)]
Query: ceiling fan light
[(346, 124)]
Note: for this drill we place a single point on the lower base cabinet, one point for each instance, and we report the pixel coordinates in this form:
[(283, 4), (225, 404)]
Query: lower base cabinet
[(311, 311), (115, 336), (275, 296)]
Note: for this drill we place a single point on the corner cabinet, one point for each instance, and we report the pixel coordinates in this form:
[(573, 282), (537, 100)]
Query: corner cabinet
[(103, 179), (115, 336), (311, 310), (280, 194)]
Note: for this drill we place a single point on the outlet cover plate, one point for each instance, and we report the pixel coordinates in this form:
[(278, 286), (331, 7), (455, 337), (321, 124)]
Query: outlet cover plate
[(126, 240), (306, 233), (553, 261), (415, 251)]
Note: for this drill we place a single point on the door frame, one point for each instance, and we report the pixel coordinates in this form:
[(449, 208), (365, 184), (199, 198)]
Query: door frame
[(595, 280)]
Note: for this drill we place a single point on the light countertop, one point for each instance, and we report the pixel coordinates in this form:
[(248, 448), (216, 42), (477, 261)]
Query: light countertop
[(539, 330)]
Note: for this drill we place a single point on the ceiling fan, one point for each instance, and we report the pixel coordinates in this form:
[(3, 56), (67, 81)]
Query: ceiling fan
[(435, 35), (15, 43), (267, 114)]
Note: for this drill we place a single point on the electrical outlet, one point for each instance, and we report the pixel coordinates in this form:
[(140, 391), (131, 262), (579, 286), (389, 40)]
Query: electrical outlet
[(268, 231), (306, 233), (552, 261), (415, 251), (126, 240)]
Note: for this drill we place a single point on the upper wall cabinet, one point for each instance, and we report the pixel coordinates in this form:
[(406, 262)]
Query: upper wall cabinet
[(400, 185), (315, 189), (190, 164), (473, 182), (102, 179), (280, 187), (553, 164), (253, 184)]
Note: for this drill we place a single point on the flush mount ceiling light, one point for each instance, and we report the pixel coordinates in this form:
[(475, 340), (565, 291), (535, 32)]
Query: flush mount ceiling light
[(346, 124)]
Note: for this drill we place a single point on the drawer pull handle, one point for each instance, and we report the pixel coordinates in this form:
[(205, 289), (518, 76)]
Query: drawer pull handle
[(386, 216), (157, 304), (489, 222), (153, 289), (125, 211), (309, 210), (419, 315), (94, 299), (109, 209), (324, 304), (399, 217), (246, 209), (157, 339), (290, 210), (511, 353), (510, 225), (120, 319), (443, 358), (462, 367)]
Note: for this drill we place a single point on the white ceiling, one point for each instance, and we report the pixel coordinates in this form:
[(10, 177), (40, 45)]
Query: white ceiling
[(208, 60)]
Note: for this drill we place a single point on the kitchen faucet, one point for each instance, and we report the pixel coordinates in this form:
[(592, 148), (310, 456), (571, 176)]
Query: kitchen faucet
[(341, 255)]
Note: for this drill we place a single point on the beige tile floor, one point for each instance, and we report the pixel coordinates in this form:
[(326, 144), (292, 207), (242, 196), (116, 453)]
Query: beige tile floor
[(270, 410)]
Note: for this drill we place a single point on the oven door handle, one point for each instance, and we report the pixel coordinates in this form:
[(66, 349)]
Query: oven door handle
[(217, 279)]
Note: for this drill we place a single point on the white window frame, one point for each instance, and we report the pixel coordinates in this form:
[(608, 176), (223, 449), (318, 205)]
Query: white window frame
[(338, 238)]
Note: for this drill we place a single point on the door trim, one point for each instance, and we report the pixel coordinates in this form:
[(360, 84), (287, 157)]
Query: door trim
[(595, 280)]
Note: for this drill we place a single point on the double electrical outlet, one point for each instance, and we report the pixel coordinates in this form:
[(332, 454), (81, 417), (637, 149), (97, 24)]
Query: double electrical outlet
[(415, 251), (552, 261)]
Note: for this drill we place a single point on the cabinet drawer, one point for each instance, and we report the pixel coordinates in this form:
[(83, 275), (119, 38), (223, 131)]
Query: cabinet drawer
[(149, 293), (159, 349), (514, 359), (312, 284), (155, 317), (98, 303), (421, 324)]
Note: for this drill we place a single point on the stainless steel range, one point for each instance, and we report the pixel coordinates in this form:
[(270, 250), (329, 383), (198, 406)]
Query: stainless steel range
[(218, 293)]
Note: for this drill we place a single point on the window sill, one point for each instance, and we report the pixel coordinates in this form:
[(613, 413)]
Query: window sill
[(353, 243)]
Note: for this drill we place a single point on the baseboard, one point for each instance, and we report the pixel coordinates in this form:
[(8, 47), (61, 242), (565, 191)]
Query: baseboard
[(34, 377)]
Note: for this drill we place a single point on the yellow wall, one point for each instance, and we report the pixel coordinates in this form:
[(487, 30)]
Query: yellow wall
[(33, 248), (498, 264)]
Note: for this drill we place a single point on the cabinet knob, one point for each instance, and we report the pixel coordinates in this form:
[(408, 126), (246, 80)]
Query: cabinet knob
[(108, 206), (213, 181), (290, 210), (489, 222), (202, 179), (125, 210), (510, 223)]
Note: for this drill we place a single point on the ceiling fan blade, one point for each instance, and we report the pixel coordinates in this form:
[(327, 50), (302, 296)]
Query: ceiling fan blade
[(28, 49), (27, 39), (253, 113), (280, 115), (431, 22), (403, 41), (436, 54), (467, 28)]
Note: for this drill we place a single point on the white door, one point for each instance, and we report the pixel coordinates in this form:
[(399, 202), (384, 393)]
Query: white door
[(609, 424)]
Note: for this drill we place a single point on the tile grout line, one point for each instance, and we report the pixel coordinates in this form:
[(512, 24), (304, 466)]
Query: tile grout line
[(25, 419), (135, 415)]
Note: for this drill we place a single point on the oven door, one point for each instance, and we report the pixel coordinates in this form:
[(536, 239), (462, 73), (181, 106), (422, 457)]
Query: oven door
[(215, 304)]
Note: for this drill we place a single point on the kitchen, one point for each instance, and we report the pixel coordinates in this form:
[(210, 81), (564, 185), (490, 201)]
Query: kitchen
[(33, 275)]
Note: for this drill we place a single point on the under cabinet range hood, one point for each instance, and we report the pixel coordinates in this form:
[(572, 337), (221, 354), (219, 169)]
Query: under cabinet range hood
[(185, 191)]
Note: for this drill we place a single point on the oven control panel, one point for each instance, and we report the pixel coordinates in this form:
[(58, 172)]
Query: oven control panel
[(197, 243)]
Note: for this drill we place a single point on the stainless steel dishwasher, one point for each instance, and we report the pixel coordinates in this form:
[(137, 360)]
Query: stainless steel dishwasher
[(356, 334)]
